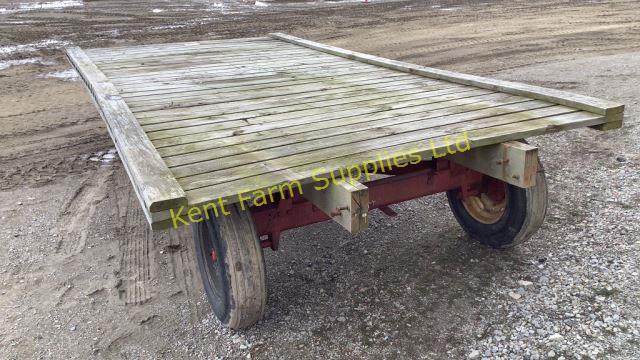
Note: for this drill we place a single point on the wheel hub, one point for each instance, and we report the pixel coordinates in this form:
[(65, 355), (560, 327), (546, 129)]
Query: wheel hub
[(489, 206)]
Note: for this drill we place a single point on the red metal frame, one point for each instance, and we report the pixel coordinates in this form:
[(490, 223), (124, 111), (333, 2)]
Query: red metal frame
[(406, 183)]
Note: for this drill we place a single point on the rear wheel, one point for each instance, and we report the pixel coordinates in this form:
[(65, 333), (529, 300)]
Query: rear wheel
[(231, 265), (502, 215)]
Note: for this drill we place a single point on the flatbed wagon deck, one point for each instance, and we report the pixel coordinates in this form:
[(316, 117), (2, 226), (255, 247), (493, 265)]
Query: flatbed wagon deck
[(204, 120), (199, 123)]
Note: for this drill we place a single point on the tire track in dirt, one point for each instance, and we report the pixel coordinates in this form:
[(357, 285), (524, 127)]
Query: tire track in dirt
[(154, 268), (138, 268), (77, 213), (184, 270)]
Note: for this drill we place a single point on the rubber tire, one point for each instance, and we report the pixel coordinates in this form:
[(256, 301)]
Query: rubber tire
[(524, 213), (242, 299)]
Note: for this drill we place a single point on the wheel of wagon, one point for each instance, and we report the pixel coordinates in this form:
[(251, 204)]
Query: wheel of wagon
[(502, 215), (231, 265)]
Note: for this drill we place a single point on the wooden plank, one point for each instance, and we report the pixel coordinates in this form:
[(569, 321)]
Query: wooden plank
[(346, 203), (173, 88), (206, 66), (342, 103), (513, 162), (277, 52), (234, 41), (238, 77), (162, 63), (310, 116), (477, 138), (149, 101), (155, 185), (291, 102), (290, 123), (212, 91), (234, 145), (176, 47), (201, 174), (264, 96), (274, 48), (194, 87), (603, 107), (207, 70)]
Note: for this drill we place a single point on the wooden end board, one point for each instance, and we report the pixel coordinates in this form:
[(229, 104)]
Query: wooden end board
[(155, 185), (513, 162), (610, 110)]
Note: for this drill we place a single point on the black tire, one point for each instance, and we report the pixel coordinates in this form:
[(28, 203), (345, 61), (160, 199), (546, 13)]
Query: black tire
[(231, 265), (523, 213)]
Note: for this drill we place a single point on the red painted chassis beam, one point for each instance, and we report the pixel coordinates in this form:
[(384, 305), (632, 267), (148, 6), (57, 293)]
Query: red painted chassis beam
[(407, 183)]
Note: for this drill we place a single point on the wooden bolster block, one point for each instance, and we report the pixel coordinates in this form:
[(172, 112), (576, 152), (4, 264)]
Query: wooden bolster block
[(513, 162), (347, 203)]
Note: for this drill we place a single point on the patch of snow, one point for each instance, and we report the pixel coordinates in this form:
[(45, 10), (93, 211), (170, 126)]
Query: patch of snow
[(22, 48), (166, 27), (113, 33), (105, 158), (37, 60), (157, 11), (261, 4), (345, 1), (64, 75), (50, 5)]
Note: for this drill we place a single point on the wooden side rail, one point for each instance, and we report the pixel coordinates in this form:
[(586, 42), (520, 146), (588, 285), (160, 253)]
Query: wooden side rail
[(153, 182), (612, 111)]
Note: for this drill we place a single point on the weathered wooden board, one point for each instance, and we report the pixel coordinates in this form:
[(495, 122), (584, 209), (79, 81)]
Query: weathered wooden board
[(200, 121), (346, 203), (587, 103), (154, 184), (513, 162)]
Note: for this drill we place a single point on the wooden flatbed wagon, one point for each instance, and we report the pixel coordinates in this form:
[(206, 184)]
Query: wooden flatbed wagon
[(245, 138)]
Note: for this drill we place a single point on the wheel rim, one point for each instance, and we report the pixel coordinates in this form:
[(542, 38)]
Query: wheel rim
[(489, 206), (214, 266)]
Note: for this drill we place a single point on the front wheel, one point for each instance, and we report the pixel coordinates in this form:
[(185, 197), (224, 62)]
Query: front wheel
[(502, 215), (232, 268)]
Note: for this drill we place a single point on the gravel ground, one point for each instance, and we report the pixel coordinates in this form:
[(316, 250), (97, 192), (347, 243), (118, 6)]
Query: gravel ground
[(83, 277)]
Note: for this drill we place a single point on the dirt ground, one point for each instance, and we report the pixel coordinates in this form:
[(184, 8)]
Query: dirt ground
[(82, 275)]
